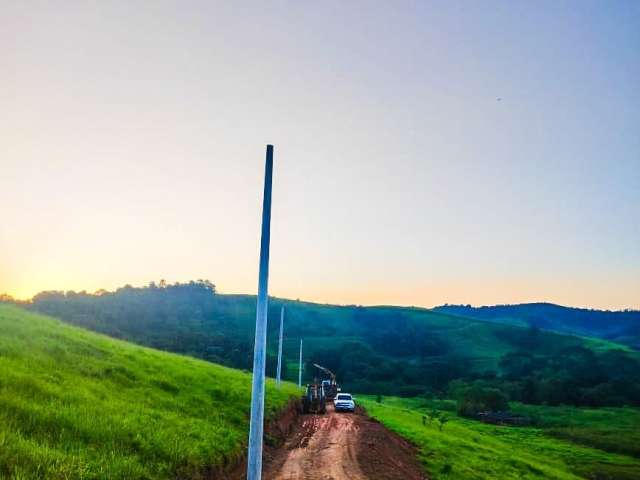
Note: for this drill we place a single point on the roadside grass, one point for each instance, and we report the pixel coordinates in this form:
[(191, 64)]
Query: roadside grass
[(79, 405), (468, 449)]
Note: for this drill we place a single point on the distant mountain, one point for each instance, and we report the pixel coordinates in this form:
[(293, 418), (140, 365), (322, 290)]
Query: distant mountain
[(619, 326)]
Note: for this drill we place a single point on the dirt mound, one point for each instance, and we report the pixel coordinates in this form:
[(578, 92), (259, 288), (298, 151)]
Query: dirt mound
[(383, 455)]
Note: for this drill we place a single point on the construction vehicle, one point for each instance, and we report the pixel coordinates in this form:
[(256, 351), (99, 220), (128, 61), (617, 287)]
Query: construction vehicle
[(330, 385), (314, 399)]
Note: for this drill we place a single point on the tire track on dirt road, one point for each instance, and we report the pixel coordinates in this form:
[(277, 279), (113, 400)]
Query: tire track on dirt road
[(343, 446)]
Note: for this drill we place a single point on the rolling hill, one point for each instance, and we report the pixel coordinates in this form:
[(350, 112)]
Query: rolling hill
[(619, 326), (76, 404), (389, 350)]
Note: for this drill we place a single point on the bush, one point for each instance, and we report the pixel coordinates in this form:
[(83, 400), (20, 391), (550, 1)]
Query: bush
[(476, 398)]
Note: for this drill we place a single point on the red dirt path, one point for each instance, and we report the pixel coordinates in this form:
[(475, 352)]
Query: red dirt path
[(342, 446)]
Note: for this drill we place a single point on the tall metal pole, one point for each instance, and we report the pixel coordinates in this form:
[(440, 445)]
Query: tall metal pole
[(254, 461), (279, 370), (300, 367)]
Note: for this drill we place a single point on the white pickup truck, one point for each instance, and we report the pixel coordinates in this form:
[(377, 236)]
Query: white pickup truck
[(344, 403)]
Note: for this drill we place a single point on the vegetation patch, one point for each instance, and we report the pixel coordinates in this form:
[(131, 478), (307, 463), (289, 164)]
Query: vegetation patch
[(76, 404), (387, 350), (468, 449)]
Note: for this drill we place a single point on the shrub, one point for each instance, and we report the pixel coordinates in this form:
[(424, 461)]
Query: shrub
[(477, 398)]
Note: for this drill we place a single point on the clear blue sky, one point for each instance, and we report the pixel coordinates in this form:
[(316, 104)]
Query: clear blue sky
[(133, 139)]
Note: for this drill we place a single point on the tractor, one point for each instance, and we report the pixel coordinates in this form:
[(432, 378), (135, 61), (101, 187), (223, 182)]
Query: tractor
[(314, 399)]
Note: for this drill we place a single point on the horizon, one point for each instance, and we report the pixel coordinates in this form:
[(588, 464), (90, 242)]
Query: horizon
[(425, 154), (316, 301)]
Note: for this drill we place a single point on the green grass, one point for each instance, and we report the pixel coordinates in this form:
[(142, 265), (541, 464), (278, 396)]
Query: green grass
[(611, 429), (467, 449), (78, 405)]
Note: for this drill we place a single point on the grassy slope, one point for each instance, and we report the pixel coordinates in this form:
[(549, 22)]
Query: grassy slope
[(163, 320), (326, 325), (468, 449), (610, 429), (75, 404), (330, 325)]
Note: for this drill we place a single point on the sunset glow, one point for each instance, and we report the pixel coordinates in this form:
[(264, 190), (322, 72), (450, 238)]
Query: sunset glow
[(133, 143)]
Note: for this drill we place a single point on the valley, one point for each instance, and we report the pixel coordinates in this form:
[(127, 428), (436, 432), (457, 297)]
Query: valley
[(81, 405)]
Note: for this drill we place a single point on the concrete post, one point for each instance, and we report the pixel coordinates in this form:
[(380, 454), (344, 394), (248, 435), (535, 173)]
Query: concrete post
[(300, 367), (254, 460), (279, 370)]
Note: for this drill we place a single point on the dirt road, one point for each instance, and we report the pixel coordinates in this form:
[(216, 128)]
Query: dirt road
[(343, 446)]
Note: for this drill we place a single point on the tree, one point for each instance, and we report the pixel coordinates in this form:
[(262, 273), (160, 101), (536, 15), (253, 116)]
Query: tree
[(441, 421), (477, 397), (433, 415)]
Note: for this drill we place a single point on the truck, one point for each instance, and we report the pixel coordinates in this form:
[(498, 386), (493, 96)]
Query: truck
[(330, 385), (344, 402)]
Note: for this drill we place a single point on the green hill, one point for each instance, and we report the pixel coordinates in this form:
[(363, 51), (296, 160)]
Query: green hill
[(564, 444), (76, 404), (619, 326), (387, 350), (189, 319)]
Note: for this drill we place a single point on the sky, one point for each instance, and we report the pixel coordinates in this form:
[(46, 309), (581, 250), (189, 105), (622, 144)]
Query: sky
[(425, 152)]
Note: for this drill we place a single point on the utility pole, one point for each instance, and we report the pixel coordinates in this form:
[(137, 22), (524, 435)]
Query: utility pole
[(300, 367), (254, 461), (279, 370)]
